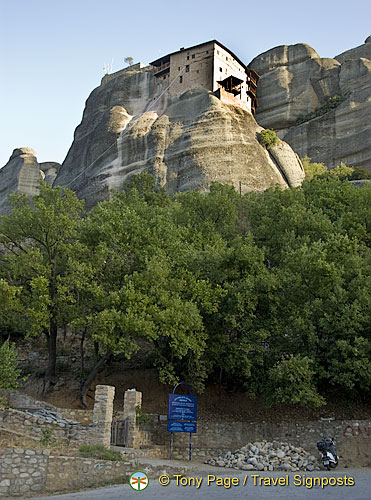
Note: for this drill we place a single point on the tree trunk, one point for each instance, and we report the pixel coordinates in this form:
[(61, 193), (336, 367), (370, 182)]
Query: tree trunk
[(82, 352), (49, 377), (89, 379)]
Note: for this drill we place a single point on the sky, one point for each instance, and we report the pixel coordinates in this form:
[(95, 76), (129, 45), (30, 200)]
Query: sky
[(53, 52)]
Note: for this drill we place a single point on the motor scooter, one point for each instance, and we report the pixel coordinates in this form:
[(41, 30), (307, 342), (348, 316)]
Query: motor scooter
[(328, 453)]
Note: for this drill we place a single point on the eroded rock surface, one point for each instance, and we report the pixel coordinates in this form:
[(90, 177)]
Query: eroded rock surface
[(22, 174), (130, 124), (296, 81)]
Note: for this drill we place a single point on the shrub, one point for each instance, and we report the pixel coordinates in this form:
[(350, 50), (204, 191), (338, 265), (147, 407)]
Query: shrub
[(329, 104), (141, 417), (47, 437), (313, 169), (268, 138), (9, 371)]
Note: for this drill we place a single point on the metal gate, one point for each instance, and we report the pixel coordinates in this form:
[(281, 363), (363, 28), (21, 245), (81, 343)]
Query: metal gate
[(120, 432)]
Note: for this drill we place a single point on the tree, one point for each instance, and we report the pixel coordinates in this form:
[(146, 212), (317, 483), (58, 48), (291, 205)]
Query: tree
[(9, 373), (129, 60), (316, 244), (144, 288), (38, 237), (312, 169)]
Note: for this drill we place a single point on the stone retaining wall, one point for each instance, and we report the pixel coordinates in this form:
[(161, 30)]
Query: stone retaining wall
[(16, 400), (215, 437), (25, 472), (36, 427)]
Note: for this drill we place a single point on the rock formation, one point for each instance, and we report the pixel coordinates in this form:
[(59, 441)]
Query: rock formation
[(295, 81), (22, 174), (130, 124)]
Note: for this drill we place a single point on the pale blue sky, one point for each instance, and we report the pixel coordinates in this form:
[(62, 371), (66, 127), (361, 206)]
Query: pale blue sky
[(53, 52)]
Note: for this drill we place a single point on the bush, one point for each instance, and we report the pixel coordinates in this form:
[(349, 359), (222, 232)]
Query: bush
[(313, 169), (99, 452), (359, 173), (9, 372), (329, 104), (141, 417), (268, 138)]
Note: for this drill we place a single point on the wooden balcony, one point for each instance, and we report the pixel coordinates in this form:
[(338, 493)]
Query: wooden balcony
[(157, 70)]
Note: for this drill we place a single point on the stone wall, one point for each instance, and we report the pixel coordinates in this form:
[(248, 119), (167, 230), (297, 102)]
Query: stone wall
[(35, 427), (16, 400), (214, 437), (22, 471), (25, 472)]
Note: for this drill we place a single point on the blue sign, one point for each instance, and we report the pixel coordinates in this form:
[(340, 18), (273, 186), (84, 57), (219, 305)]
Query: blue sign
[(174, 426), (182, 407)]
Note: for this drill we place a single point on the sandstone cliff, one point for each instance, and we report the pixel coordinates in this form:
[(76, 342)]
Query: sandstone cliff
[(22, 174), (130, 124), (295, 81)]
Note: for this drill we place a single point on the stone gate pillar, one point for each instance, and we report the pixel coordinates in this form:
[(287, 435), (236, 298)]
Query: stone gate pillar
[(102, 414), (132, 399)]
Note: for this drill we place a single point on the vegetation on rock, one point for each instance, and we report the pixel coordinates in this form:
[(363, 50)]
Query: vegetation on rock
[(268, 138), (330, 103), (342, 171)]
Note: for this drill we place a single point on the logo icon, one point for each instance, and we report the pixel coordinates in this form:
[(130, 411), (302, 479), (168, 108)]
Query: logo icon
[(139, 481)]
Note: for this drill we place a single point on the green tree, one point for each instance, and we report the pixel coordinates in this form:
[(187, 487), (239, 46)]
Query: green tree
[(129, 61), (9, 373), (145, 290), (38, 238), (342, 171), (291, 381), (313, 169)]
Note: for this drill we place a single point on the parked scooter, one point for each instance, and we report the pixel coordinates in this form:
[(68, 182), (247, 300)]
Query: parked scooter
[(328, 453)]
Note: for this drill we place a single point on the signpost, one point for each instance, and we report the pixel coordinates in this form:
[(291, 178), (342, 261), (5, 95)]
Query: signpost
[(182, 415)]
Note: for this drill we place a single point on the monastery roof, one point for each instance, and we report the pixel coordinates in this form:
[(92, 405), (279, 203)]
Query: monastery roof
[(200, 45)]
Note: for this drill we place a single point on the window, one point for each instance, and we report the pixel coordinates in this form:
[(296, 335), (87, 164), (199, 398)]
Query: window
[(193, 56), (226, 58), (198, 71), (220, 69), (207, 52), (180, 79), (217, 52), (164, 77), (187, 58), (178, 68), (187, 68)]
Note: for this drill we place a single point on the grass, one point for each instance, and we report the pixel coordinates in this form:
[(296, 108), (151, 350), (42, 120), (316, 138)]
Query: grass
[(10, 440), (99, 452)]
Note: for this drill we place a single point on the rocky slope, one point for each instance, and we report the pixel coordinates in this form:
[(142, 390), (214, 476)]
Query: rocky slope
[(130, 125), (295, 81)]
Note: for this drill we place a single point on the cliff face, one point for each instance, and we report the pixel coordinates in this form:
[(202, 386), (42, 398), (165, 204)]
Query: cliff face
[(22, 173), (295, 81), (130, 124)]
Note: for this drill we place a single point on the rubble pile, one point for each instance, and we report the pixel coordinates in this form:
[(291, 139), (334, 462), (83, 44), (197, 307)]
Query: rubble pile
[(48, 415), (267, 456)]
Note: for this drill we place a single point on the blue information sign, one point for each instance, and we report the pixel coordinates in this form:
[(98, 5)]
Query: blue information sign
[(174, 426), (182, 407)]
